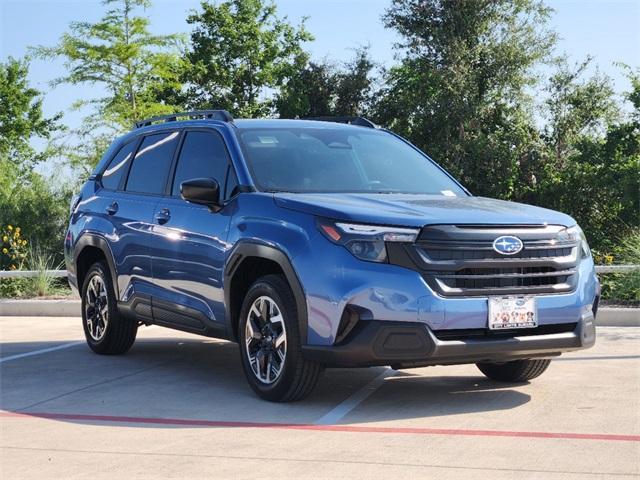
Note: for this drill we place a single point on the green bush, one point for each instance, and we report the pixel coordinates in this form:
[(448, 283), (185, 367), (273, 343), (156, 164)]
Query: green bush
[(15, 287), (30, 288), (42, 285), (623, 287), (38, 205)]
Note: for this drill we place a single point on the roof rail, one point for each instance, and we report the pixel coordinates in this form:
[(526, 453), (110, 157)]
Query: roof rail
[(359, 121), (221, 115)]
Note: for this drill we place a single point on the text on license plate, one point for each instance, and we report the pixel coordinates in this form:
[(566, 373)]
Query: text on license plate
[(512, 312)]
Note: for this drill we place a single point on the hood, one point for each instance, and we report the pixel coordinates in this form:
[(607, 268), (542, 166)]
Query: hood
[(419, 210)]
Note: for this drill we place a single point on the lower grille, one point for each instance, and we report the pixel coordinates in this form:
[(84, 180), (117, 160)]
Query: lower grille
[(481, 278), (485, 333)]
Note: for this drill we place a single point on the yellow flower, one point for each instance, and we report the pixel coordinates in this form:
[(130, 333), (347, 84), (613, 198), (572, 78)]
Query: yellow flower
[(10, 228), (18, 230), (5, 251), (24, 242), (5, 239)]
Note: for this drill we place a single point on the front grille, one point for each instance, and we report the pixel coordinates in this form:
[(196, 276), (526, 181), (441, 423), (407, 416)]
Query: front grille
[(459, 260), (486, 334)]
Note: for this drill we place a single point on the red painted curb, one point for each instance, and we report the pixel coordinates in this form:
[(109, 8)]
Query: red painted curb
[(328, 428)]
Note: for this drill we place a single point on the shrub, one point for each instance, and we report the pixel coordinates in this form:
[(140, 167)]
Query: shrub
[(623, 287), (14, 249), (14, 287)]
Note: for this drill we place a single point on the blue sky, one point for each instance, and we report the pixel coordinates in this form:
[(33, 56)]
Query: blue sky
[(608, 30)]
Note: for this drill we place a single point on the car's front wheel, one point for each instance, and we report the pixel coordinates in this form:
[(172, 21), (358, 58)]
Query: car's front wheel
[(516, 371), (107, 332), (270, 344)]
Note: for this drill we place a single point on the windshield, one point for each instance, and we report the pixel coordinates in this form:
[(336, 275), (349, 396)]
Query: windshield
[(340, 160)]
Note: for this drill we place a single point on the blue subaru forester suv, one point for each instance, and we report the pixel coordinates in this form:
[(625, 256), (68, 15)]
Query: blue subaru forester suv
[(315, 243)]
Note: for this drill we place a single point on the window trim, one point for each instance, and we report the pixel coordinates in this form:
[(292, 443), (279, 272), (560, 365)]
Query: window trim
[(225, 197)]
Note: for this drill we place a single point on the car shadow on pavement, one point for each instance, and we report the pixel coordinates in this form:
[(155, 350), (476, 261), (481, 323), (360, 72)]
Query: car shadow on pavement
[(194, 379)]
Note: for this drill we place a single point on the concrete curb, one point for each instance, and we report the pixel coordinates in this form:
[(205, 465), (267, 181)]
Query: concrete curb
[(39, 308), (607, 316), (618, 317)]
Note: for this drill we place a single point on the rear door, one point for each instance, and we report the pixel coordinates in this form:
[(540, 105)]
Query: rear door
[(189, 245), (133, 186)]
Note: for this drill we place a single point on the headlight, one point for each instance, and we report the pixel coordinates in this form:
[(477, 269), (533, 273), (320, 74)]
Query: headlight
[(575, 234), (366, 242)]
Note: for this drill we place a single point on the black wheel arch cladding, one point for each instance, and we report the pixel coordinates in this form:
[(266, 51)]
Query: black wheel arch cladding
[(245, 251)]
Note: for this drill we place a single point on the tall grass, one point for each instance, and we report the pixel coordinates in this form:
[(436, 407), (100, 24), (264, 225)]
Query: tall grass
[(44, 282)]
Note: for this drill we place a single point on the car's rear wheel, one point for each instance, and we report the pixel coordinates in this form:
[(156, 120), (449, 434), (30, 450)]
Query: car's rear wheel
[(516, 371), (270, 344), (106, 331)]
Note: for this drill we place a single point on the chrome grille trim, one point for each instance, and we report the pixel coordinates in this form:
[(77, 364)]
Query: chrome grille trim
[(460, 260)]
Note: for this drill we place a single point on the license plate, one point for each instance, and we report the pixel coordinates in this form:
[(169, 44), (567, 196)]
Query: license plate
[(512, 312)]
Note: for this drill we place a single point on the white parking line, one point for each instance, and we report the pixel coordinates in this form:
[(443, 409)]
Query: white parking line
[(38, 352), (341, 410)]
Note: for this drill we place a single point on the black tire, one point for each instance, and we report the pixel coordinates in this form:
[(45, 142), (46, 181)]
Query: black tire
[(516, 372), (120, 332), (299, 376)]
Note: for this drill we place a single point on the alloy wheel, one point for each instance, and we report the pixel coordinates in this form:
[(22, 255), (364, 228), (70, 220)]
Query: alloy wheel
[(96, 308), (266, 339)]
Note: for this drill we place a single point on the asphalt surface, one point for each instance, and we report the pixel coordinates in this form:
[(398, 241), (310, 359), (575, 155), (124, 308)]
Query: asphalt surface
[(178, 406)]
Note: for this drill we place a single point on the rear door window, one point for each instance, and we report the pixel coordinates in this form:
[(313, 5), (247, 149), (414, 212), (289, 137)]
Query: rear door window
[(118, 166), (203, 155), (151, 164)]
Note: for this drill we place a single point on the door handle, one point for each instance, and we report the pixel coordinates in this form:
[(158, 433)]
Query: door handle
[(112, 209), (163, 216)]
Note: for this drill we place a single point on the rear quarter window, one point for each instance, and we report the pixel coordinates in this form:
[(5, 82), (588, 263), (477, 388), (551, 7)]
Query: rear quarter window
[(118, 166)]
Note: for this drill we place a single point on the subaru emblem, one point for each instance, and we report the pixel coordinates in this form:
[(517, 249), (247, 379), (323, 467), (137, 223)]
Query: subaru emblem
[(507, 245)]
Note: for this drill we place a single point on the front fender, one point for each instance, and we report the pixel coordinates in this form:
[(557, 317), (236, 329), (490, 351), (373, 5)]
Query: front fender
[(250, 248)]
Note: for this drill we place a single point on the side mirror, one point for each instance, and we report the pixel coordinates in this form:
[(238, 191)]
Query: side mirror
[(204, 191)]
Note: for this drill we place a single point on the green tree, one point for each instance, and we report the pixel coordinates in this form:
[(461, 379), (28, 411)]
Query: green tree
[(241, 51), (459, 91), (38, 205), (119, 54), (592, 169), (575, 109), (27, 199), (21, 119), (308, 93), (324, 89)]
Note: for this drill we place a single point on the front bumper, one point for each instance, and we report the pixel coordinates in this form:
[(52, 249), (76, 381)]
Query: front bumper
[(412, 344)]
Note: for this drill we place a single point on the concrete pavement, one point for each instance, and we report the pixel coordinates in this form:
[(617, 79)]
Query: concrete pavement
[(177, 406)]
